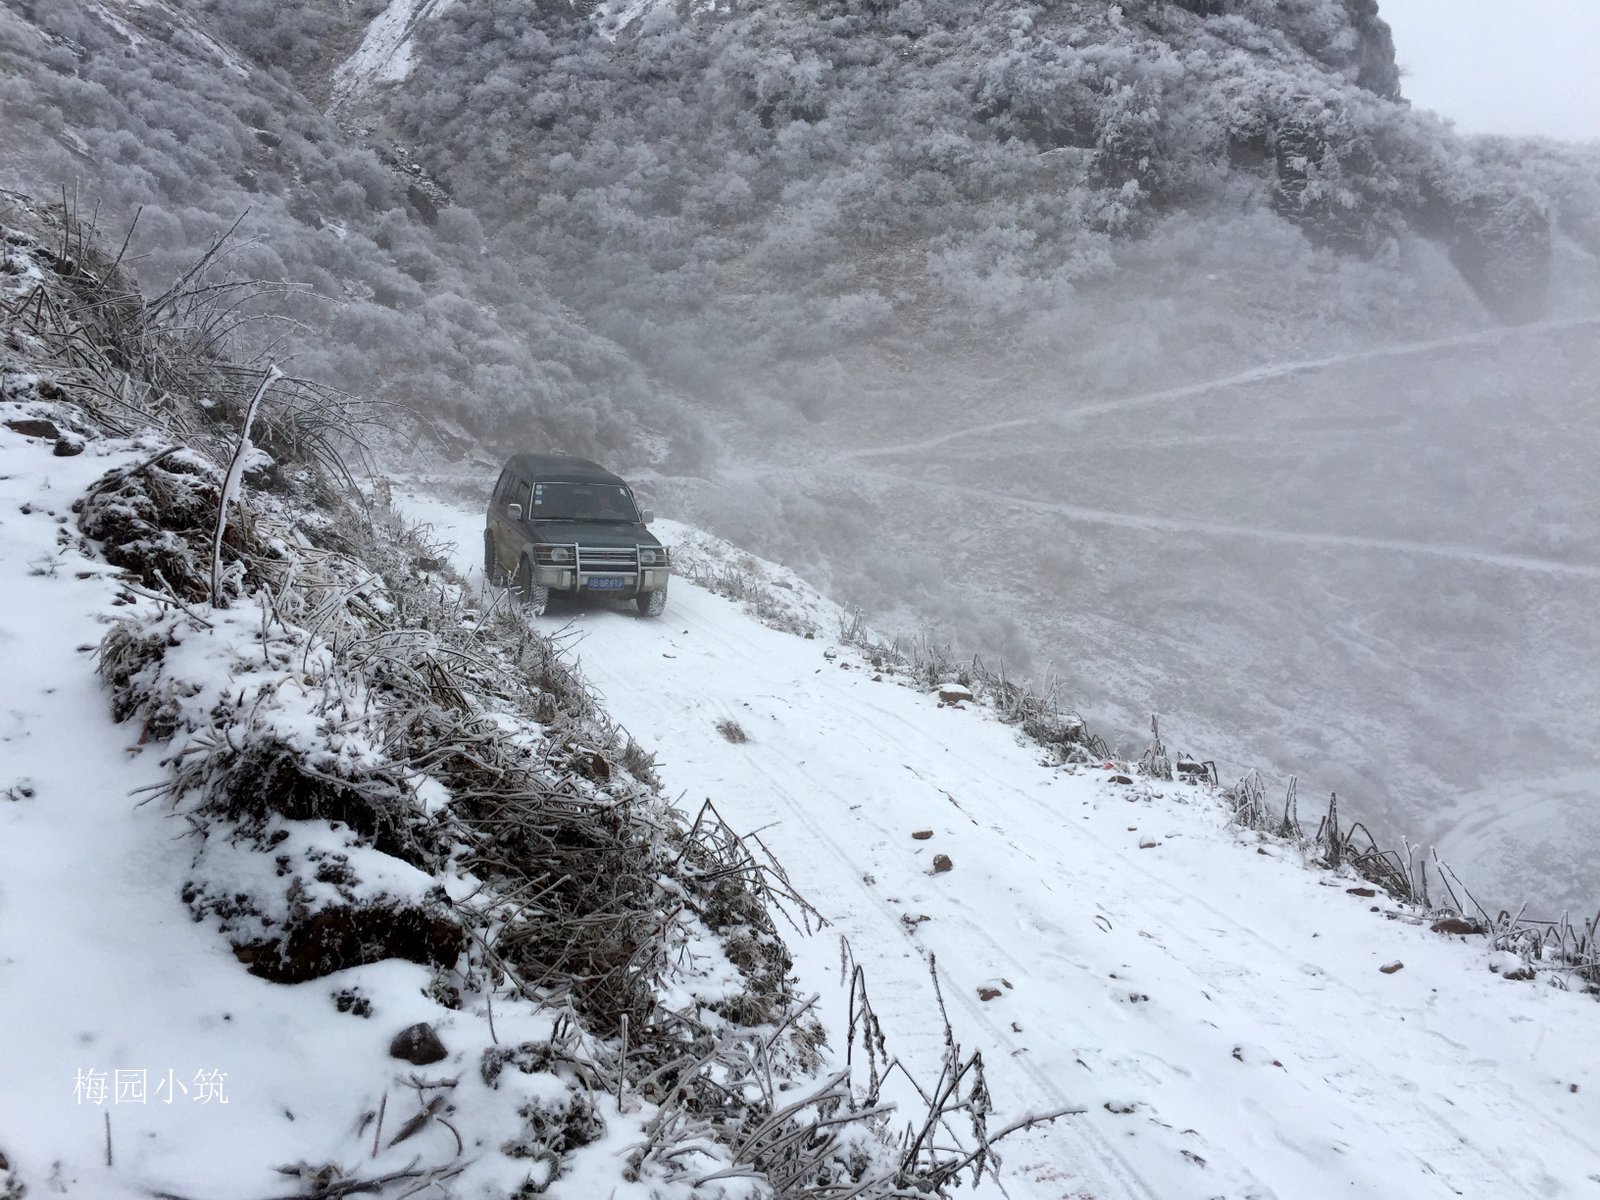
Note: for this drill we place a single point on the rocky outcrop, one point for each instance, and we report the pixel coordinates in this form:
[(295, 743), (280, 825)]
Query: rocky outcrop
[(1368, 58), (1373, 57), (1501, 244)]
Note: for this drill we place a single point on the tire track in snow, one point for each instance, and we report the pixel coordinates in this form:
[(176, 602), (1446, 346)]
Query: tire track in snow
[(794, 789), (1098, 1164), (1421, 1137), (1101, 1166), (1114, 1167)]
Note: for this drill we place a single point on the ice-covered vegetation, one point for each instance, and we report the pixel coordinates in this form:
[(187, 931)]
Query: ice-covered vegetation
[(995, 278), (140, 110), (739, 194), (765, 181)]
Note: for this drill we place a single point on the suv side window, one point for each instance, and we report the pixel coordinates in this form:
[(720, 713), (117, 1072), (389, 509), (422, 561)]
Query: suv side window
[(500, 487), (519, 495)]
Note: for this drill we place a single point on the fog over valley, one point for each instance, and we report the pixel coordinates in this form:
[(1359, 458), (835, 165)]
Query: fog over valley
[(1162, 352)]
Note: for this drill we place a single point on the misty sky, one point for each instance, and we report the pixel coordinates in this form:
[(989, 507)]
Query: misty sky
[(1502, 66)]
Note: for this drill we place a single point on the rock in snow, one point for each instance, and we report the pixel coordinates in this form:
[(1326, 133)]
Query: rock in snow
[(418, 1044)]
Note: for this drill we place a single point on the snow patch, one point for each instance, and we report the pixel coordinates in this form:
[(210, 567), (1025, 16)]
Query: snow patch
[(385, 53)]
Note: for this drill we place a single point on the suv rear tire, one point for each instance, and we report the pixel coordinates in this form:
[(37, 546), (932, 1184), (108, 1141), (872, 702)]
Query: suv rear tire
[(492, 574), (652, 604), (534, 597)]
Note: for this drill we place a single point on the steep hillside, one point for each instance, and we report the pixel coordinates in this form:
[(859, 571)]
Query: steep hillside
[(767, 180), (1159, 344), (155, 121), (320, 872)]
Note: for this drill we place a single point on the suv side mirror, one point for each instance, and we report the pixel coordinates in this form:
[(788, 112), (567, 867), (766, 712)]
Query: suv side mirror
[(514, 511), (647, 516)]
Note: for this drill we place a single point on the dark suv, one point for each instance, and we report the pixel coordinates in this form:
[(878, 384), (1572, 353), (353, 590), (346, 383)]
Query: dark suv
[(562, 524)]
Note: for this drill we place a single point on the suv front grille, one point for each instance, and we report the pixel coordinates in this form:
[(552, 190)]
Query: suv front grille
[(608, 558)]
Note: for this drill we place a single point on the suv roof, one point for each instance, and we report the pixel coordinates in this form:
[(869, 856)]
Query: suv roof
[(561, 468)]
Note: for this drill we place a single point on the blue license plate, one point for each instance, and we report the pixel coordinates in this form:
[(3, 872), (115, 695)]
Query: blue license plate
[(607, 582)]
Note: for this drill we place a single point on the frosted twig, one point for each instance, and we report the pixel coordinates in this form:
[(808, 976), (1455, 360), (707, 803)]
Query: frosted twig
[(230, 483)]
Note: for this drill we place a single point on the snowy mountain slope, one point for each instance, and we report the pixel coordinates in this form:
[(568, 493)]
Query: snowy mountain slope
[(173, 122), (1208, 1041), (1320, 437), (1280, 372), (1310, 498), (1216, 1010), (217, 914), (388, 45)]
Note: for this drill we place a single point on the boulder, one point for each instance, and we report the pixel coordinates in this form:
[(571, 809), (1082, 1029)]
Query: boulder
[(418, 1044), (34, 427)]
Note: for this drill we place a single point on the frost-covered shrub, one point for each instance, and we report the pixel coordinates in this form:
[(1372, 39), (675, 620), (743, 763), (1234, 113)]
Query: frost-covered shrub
[(191, 137), (961, 164), (157, 522)]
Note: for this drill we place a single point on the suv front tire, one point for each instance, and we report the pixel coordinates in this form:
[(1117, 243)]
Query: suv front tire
[(535, 597), (652, 604)]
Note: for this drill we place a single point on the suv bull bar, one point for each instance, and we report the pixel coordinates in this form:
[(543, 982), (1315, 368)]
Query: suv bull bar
[(570, 566)]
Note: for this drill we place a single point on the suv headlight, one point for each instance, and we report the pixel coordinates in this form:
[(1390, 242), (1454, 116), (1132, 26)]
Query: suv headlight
[(652, 556), (555, 554)]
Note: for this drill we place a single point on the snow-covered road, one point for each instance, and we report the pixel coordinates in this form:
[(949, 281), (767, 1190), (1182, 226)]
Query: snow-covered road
[(1263, 374), (1215, 1008)]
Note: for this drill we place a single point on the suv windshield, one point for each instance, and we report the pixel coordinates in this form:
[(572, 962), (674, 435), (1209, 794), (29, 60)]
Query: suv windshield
[(582, 502)]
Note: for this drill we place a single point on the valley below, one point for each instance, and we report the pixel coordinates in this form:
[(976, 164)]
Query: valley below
[(1315, 569)]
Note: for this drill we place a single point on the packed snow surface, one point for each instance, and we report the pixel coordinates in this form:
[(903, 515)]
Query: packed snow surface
[(1217, 1011)]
